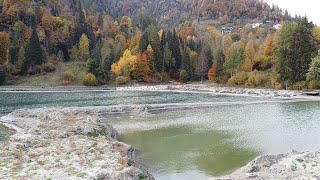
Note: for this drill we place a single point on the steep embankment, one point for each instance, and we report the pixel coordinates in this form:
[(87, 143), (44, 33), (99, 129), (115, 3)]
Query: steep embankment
[(65, 144)]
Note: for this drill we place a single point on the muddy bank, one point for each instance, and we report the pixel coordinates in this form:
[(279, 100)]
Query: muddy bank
[(62, 143)]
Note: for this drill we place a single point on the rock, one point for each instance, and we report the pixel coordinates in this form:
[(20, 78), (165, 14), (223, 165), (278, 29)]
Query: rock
[(293, 165)]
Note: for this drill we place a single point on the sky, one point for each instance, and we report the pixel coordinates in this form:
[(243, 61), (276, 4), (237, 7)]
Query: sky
[(302, 7)]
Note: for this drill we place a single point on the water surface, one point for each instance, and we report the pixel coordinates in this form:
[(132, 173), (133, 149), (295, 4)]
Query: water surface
[(196, 143)]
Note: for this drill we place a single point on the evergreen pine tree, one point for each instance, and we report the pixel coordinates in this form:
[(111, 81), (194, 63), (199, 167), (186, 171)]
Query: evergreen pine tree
[(144, 42), (34, 54), (295, 48), (186, 62), (2, 76), (175, 48)]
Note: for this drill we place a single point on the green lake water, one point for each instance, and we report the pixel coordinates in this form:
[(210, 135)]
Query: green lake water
[(196, 143)]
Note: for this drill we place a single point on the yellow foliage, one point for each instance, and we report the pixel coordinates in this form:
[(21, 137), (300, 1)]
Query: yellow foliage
[(90, 80), (84, 48), (122, 68), (4, 44), (68, 77), (249, 55)]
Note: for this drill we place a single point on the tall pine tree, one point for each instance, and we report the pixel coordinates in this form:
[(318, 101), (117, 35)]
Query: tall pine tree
[(34, 55), (295, 48)]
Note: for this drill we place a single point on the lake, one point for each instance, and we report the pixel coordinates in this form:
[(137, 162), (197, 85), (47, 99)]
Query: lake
[(196, 143)]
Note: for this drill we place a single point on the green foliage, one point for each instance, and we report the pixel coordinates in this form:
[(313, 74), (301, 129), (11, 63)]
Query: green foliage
[(93, 67), (234, 59), (219, 63), (142, 176), (2, 76), (34, 55), (294, 49), (169, 62), (299, 85), (314, 69), (184, 77), (251, 79)]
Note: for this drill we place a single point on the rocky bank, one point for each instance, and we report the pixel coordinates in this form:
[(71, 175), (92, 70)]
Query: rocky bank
[(293, 165), (65, 143)]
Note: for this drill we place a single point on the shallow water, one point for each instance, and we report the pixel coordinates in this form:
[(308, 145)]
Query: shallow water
[(10, 101), (5, 133), (197, 143), (200, 144)]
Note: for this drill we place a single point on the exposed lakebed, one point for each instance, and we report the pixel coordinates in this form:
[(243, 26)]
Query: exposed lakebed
[(194, 143)]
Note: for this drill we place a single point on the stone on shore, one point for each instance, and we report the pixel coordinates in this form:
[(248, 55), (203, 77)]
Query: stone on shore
[(294, 165)]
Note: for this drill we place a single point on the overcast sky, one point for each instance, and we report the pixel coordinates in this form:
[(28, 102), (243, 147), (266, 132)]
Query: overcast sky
[(302, 7)]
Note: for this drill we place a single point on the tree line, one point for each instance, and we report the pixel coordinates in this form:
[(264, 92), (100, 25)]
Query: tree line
[(138, 49)]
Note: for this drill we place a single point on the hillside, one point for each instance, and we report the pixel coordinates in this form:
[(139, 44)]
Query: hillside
[(170, 13), (239, 42)]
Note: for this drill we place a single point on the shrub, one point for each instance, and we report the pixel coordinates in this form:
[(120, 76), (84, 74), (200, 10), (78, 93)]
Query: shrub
[(48, 67), (314, 84), (183, 76), (122, 80), (258, 79), (238, 79), (299, 85), (90, 80), (68, 77), (12, 69), (34, 70)]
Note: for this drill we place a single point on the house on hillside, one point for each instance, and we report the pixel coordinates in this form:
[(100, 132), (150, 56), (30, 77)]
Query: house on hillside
[(255, 25), (226, 30), (231, 30)]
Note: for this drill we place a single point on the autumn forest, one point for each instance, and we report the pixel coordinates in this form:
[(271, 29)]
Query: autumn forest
[(96, 42)]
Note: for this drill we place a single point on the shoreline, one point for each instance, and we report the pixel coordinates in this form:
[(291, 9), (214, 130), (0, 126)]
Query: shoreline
[(90, 149), (188, 88), (268, 165)]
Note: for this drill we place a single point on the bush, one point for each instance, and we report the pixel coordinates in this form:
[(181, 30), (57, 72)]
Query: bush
[(12, 69), (238, 79), (258, 79), (314, 84), (251, 79), (122, 80), (183, 76), (299, 85), (68, 77), (34, 70), (48, 67), (90, 80)]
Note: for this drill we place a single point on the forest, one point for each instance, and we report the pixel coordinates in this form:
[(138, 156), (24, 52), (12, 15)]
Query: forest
[(98, 42)]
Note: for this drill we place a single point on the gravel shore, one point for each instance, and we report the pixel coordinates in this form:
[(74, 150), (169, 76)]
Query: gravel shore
[(64, 143)]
